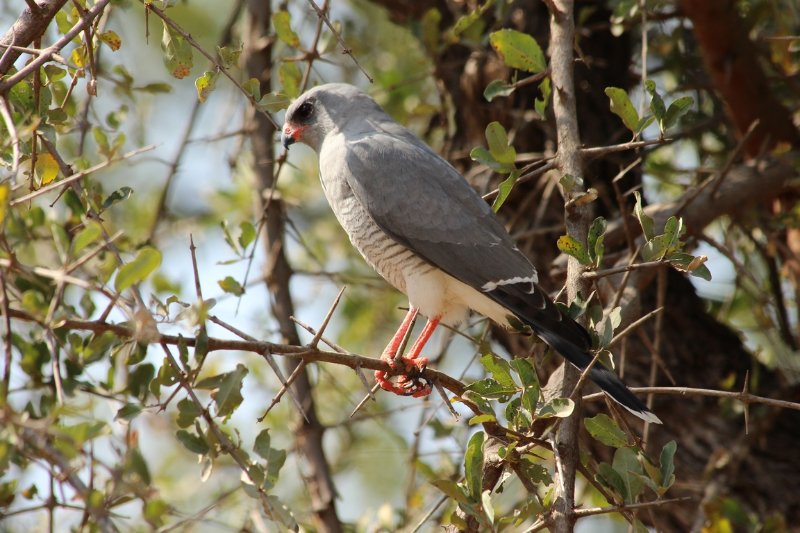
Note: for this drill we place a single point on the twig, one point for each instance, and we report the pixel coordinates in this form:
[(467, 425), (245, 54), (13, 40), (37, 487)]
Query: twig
[(75, 177), (345, 50), (720, 176), (595, 274), (633, 325), (286, 386), (267, 355), (743, 396), (327, 318), (580, 513)]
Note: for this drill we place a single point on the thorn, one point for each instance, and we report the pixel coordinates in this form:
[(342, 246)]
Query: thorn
[(447, 402), (363, 378), (335, 347), (327, 318), (371, 394), (286, 384), (285, 387), (398, 357), (745, 396)]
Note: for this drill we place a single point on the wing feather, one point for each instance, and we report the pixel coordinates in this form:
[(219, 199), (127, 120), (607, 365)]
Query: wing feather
[(421, 201)]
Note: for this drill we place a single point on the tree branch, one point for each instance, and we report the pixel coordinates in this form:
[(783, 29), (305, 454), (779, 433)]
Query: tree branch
[(577, 219), (29, 27), (84, 22)]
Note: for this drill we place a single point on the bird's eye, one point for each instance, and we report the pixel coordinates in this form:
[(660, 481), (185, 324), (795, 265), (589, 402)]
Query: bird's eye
[(304, 112)]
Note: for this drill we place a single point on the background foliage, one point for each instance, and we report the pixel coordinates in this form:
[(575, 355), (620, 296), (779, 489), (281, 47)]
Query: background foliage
[(164, 269)]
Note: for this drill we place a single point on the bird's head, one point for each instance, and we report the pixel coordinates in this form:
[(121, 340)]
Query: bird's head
[(325, 109)]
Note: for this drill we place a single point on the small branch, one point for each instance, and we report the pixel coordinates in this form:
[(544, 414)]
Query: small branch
[(75, 177), (743, 396), (345, 50), (632, 326), (580, 513)]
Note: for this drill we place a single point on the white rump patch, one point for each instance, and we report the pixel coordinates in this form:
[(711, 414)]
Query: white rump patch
[(492, 285)]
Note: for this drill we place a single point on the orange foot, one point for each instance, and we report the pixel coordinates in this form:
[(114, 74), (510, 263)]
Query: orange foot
[(410, 382)]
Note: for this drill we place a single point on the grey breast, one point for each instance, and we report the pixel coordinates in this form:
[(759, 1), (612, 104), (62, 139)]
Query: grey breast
[(389, 258)]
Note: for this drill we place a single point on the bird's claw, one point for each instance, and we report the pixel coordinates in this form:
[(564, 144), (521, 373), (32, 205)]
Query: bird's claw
[(410, 382)]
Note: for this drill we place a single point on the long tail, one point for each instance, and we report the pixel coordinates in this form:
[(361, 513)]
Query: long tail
[(532, 305)]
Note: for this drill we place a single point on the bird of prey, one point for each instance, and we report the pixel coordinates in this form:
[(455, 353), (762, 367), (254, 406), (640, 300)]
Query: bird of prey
[(420, 225)]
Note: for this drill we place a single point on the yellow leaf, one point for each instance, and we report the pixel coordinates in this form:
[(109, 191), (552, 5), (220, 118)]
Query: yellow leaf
[(46, 168), (111, 39), (3, 201)]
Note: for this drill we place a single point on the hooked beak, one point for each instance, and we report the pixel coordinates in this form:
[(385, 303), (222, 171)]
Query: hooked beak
[(291, 134)]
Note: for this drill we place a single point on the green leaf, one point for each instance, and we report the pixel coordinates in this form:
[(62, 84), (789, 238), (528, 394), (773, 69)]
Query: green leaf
[(575, 248), (188, 412), (500, 370), (274, 101), (91, 231), (247, 234), (694, 265), (228, 55), (121, 194), (228, 395), (155, 88), (626, 464), (518, 50), (480, 419), (622, 107), (490, 389), (504, 189), (482, 156), (253, 88), (497, 88), (128, 412), (451, 489), (262, 442), (667, 463), (676, 110), (611, 478), (430, 34), (656, 103), (661, 245), (595, 240), (645, 221), (155, 512), (486, 504), (604, 429), (205, 84), (530, 383), (540, 104), (282, 22), (177, 53), (499, 147), (145, 262), (231, 286), (557, 407), (290, 76), (473, 466), (644, 122), (192, 442)]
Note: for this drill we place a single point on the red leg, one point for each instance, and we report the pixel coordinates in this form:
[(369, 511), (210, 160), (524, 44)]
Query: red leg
[(407, 384), (391, 349)]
